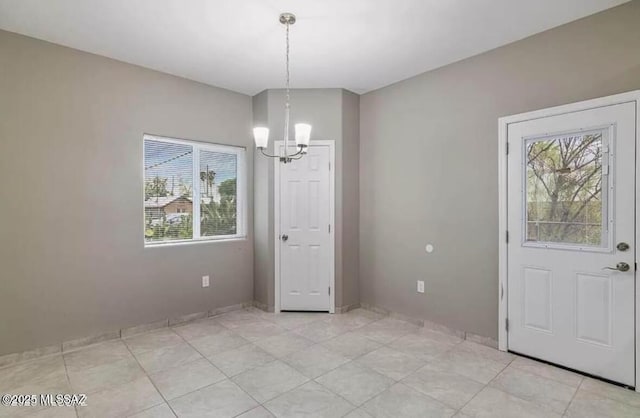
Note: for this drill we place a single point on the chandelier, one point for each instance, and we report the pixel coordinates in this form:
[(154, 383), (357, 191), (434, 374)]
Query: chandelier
[(302, 130)]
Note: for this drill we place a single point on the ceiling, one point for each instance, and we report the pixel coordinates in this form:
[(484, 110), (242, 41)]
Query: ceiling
[(360, 45)]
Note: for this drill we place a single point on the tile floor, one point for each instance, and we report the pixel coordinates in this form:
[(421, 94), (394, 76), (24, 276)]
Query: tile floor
[(252, 364)]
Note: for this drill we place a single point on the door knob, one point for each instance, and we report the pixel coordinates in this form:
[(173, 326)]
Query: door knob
[(622, 266), (284, 237)]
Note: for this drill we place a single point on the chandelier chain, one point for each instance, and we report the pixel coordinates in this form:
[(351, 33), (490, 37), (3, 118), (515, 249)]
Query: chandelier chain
[(287, 105), (287, 63)]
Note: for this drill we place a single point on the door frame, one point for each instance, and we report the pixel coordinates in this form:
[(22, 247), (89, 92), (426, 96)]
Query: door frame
[(276, 222), (503, 125)]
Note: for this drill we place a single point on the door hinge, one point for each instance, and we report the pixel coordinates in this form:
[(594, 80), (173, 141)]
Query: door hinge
[(506, 324), (329, 228), (507, 148), (329, 290), (329, 166), (507, 237)]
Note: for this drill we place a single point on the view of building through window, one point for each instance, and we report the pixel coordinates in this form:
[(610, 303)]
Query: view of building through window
[(171, 213)]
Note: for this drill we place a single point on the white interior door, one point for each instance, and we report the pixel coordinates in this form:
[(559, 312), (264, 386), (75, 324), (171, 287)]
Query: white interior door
[(571, 264), (306, 264)]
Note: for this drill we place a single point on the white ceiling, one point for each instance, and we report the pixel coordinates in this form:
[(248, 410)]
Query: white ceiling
[(359, 45)]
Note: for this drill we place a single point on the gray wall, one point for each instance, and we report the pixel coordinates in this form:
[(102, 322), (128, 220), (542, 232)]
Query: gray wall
[(264, 253), (429, 158), (350, 174), (334, 115), (72, 261)]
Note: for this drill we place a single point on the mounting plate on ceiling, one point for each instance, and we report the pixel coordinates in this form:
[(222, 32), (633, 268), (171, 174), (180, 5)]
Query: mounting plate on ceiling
[(287, 18)]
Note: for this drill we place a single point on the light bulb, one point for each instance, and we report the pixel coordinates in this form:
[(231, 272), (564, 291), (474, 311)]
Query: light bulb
[(261, 136), (303, 134)]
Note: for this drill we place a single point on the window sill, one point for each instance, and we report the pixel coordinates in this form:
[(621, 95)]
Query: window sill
[(194, 242)]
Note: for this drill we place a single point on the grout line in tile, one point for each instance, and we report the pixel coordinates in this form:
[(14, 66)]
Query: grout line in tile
[(543, 377), (368, 399), (151, 407), (573, 397), (147, 375), (229, 378), (338, 395), (455, 411), (486, 385), (283, 393), (66, 373)]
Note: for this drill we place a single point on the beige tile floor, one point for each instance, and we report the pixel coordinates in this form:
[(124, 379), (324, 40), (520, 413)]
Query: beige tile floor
[(252, 364)]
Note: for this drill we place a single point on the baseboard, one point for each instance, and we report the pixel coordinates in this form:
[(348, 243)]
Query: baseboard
[(77, 343), (183, 319), (347, 308), (262, 306), (444, 329), (488, 341), (139, 329), (89, 340), (14, 358), (479, 339), (225, 309), (375, 309)]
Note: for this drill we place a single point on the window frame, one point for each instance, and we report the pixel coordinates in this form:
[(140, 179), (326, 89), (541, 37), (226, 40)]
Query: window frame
[(241, 190)]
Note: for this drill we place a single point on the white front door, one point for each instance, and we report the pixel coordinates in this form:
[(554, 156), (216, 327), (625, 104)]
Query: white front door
[(306, 264), (571, 264)]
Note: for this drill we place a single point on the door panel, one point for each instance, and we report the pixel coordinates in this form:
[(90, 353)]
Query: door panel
[(293, 189), (314, 205), (571, 194), (594, 308), (305, 262), (537, 299)]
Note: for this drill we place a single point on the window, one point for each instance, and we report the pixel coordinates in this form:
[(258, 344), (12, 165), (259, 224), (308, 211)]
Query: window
[(193, 191), (566, 189)]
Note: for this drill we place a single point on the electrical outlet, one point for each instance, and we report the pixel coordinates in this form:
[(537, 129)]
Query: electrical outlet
[(205, 281), (420, 286)]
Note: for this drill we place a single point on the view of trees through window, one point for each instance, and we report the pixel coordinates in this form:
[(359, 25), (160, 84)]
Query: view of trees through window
[(170, 189), (564, 190), (218, 173)]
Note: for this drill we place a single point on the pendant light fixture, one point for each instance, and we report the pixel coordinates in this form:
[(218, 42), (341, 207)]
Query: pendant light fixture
[(303, 130)]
